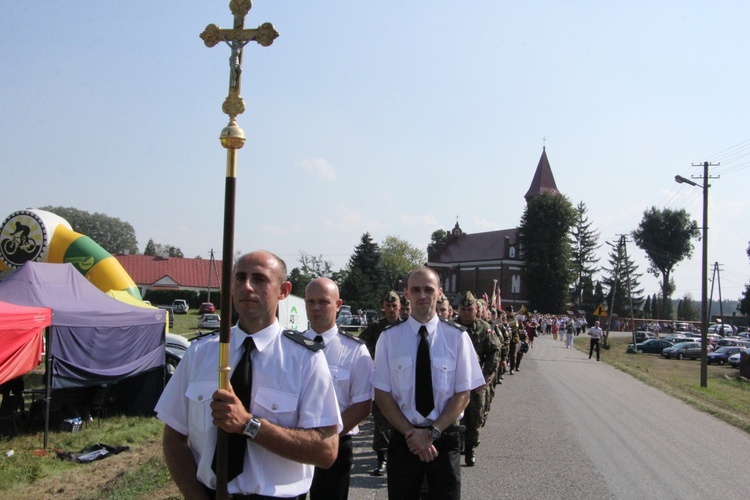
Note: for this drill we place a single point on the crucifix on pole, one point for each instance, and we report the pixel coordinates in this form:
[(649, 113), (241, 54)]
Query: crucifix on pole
[(232, 138)]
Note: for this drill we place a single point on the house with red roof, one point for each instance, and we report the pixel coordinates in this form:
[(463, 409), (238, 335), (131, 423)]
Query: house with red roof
[(171, 273)]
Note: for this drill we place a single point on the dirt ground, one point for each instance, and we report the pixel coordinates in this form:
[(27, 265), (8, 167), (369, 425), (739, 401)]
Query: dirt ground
[(97, 475)]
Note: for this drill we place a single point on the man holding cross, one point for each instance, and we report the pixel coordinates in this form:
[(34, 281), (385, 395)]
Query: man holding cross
[(425, 369), (291, 419)]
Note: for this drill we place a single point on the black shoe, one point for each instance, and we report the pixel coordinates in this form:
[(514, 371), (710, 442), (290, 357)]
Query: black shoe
[(471, 459), (379, 470)]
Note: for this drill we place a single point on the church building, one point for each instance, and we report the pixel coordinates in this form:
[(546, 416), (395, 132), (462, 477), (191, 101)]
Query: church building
[(475, 262)]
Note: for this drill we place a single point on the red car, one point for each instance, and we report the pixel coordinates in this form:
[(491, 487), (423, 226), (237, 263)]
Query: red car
[(206, 308)]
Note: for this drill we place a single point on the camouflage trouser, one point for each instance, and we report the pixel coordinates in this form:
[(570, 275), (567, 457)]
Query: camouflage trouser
[(474, 417), (382, 432)]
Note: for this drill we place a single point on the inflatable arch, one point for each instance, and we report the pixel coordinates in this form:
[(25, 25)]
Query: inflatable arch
[(42, 236)]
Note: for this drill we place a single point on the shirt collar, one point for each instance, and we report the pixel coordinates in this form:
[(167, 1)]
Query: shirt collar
[(327, 335), (261, 338), (416, 325)]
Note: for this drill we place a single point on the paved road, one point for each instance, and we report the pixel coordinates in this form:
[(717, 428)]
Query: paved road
[(569, 427)]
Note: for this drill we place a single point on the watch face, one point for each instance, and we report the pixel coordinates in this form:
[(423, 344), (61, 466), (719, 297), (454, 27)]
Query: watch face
[(435, 434)]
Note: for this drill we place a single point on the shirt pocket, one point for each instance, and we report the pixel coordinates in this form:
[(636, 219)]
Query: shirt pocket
[(199, 402), (341, 381), (443, 375), (276, 406), (402, 375)]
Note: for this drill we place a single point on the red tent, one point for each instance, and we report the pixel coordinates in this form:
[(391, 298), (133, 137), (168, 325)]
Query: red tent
[(21, 338)]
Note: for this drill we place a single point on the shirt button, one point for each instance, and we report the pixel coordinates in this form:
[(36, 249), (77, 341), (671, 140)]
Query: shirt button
[(335, 376), (200, 398), (274, 407)]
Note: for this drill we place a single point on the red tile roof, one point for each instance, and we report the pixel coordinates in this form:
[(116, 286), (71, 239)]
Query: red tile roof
[(147, 270)]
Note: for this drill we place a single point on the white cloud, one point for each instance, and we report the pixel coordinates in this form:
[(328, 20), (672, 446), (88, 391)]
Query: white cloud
[(277, 232), (319, 168), (349, 220), (423, 220)]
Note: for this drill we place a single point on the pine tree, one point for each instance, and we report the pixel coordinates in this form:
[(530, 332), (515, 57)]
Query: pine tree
[(364, 280), (617, 276), (584, 242)]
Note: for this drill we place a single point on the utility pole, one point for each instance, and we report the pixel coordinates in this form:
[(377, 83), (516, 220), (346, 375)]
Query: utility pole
[(704, 270), (630, 290)]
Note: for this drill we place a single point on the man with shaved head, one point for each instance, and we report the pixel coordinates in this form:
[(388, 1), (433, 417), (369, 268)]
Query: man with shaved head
[(283, 419), (351, 368), (425, 369)]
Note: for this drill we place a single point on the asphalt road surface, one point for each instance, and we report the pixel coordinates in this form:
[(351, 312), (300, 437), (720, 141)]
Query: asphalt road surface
[(569, 427)]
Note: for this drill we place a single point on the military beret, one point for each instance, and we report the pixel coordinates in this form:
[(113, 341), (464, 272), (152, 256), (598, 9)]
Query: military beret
[(442, 298), (405, 302), (391, 297), (468, 300)]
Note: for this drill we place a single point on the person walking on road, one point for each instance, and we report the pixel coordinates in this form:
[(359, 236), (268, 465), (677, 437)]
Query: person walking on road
[(596, 336)]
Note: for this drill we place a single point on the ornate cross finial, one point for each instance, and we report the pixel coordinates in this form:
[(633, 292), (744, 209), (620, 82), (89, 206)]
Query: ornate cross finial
[(237, 38)]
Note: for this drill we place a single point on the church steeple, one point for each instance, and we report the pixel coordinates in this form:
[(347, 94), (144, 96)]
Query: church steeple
[(544, 181)]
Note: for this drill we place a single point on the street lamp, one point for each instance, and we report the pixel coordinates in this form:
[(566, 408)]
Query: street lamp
[(704, 272)]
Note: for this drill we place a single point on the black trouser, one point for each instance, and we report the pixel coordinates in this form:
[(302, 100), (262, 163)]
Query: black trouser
[(515, 348), (406, 471), (382, 432), (594, 344), (333, 483)]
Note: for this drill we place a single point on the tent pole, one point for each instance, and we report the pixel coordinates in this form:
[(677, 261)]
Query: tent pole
[(47, 383)]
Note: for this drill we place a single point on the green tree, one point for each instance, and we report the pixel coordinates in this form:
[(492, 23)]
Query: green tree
[(686, 309), (364, 275), (666, 236), (311, 267), (110, 233), (157, 249), (438, 241), (398, 257), (584, 242), (545, 225), (617, 276), (647, 307)]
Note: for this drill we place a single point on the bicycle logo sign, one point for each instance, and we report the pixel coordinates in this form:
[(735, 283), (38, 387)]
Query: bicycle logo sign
[(23, 237)]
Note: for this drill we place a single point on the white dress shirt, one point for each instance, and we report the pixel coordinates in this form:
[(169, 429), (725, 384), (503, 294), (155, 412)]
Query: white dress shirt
[(351, 368), (454, 365), (291, 387)]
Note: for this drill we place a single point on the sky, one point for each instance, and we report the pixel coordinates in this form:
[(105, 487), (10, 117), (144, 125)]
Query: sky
[(395, 118)]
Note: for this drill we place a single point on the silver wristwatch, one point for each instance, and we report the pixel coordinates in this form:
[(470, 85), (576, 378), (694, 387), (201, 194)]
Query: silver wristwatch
[(252, 428), (434, 433)]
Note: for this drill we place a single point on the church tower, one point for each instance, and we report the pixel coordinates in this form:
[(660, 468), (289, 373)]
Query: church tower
[(544, 181)]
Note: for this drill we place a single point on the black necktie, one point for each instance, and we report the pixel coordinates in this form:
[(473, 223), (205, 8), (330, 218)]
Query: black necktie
[(242, 384), (425, 403), (319, 339)]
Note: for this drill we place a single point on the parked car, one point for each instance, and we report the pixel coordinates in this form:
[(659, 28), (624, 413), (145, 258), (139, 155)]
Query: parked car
[(652, 346), (371, 315), (721, 355), (721, 329), (207, 308), (734, 359), (676, 338), (210, 321), (690, 350), (170, 314), (180, 306), (348, 323), (733, 342), (176, 347), (644, 335)]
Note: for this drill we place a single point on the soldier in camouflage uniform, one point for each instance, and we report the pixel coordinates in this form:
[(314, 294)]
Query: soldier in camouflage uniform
[(480, 334), (514, 346), (371, 334), (444, 309)]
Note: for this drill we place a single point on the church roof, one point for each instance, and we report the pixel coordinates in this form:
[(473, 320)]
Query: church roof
[(544, 181), (477, 247)]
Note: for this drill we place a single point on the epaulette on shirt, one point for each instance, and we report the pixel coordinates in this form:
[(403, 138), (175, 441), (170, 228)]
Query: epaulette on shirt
[(206, 335), (454, 324), (353, 337), (302, 340)]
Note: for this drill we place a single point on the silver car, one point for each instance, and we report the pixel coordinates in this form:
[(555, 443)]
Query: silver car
[(690, 350)]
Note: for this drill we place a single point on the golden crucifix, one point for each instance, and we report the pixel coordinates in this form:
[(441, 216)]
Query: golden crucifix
[(232, 138)]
